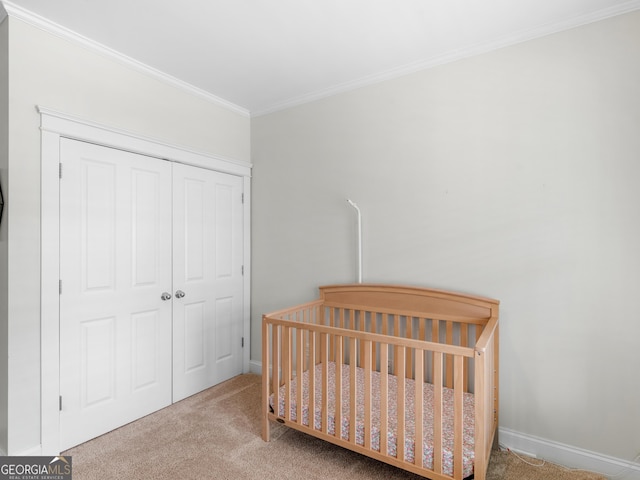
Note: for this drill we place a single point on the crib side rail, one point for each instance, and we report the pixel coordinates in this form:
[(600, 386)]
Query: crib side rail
[(372, 337), (305, 312), (287, 346)]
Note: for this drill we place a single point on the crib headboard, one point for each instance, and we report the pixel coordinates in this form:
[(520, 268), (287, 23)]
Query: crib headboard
[(409, 300)]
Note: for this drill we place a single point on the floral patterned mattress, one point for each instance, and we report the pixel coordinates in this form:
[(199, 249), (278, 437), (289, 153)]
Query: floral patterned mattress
[(427, 444)]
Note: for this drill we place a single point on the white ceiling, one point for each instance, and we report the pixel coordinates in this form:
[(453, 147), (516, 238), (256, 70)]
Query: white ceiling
[(263, 55)]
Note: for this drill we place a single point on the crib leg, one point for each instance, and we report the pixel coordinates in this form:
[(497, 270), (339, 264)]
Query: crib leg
[(266, 429), (266, 426)]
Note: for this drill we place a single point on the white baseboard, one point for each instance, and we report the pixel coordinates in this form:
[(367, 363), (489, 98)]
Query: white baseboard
[(568, 456), (255, 367)]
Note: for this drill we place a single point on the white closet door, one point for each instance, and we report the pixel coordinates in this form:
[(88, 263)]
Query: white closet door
[(207, 270), (115, 263)]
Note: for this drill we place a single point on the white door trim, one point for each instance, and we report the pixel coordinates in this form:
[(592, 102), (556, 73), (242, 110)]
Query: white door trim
[(54, 126)]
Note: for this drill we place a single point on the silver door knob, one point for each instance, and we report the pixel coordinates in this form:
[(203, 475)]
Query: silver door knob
[(165, 296), (180, 294)]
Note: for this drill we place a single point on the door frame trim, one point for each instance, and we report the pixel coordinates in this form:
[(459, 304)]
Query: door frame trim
[(54, 126)]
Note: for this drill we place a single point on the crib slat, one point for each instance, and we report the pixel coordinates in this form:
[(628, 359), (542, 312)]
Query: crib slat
[(449, 358), (299, 372), (266, 361), (409, 356), (435, 330), (394, 328), (464, 342), (305, 340), (458, 417), (384, 327), (400, 377), (384, 398), (286, 370), (374, 329), (332, 319), (312, 380), (353, 393), (308, 357), (422, 328), (435, 337), (437, 412), (422, 335), (396, 332), (363, 328), (325, 381), (275, 367), (338, 382), (367, 394), (419, 406), (318, 321)]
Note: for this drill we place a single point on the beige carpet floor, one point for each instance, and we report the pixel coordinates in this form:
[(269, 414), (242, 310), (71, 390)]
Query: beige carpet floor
[(216, 435)]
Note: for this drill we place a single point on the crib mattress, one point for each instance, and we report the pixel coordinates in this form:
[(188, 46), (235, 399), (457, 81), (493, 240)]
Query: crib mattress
[(427, 444)]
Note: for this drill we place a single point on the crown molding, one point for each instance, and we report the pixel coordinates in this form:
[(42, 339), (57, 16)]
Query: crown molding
[(53, 28), (452, 56)]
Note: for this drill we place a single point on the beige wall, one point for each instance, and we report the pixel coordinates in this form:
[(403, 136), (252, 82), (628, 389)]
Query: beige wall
[(514, 175), (64, 76)]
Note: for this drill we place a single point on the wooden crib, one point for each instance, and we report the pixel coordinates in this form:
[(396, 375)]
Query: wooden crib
[(415, 353)]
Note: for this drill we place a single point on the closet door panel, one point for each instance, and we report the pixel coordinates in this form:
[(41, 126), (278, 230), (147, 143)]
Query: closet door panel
[(115, 262), (229, 273), (208, 270)]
